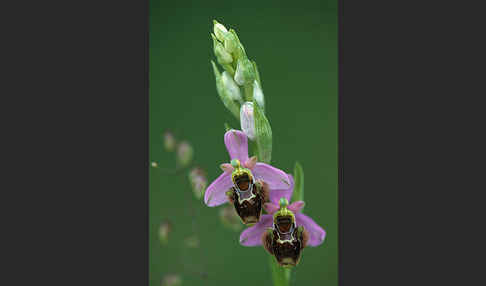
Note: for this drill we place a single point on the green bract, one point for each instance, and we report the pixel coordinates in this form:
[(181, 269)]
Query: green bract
[(263, 134), (298, 194), (245, 73), (223, 56), (225, 97)]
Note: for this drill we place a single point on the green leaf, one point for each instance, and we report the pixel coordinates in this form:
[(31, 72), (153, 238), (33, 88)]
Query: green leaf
[(298, 194), (225, 98), (263, 135), (280, 275)]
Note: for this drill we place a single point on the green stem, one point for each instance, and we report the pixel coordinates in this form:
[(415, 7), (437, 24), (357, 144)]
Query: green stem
[(248, 91), (280, 275)]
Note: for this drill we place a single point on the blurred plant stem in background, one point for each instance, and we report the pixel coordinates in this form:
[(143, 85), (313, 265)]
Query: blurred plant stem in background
[(196, 175), (230, 218)]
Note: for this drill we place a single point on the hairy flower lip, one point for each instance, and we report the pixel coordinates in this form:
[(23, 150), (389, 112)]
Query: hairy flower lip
[(237, 145), (252, 235)]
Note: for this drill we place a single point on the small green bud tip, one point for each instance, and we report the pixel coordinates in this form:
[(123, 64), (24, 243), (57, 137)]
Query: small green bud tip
[(219, 30), (235, 163), (283, 202)]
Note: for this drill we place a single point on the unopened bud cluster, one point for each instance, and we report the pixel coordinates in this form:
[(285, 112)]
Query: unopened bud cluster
[(240, 81)]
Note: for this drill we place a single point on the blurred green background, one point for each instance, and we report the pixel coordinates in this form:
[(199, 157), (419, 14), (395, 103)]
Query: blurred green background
[(295, 47)]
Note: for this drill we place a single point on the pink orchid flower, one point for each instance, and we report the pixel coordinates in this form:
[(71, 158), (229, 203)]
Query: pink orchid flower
[(252, 236), (237, 145)]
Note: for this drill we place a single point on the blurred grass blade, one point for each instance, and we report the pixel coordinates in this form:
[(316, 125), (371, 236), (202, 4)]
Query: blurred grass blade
[(263, 134), (298, 194), (280, 275)]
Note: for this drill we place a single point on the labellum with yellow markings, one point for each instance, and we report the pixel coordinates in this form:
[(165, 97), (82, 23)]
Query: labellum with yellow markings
[(247, 195)]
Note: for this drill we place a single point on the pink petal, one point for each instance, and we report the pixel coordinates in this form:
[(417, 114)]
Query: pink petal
[(215, 194), (275, 195), (226, 167), (295, 207), (271, 208), (275, 178), (250, 163), (316, 233), (237, 145), (252, 236)]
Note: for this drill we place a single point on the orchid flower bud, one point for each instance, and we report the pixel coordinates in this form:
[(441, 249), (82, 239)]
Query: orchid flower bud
[(245, 73), (219, 30), (223, 56), (223, 95), (231, 88), (184, 153), (247, 119), (228, 38), (258, 95), (230, 43)]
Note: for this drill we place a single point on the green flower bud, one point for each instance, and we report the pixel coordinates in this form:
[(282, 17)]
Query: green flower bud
[(219, 30), (223, 56), (223, 95), (245, 73), (184, 153), (230, 43), (229, 39), (231, 88)]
